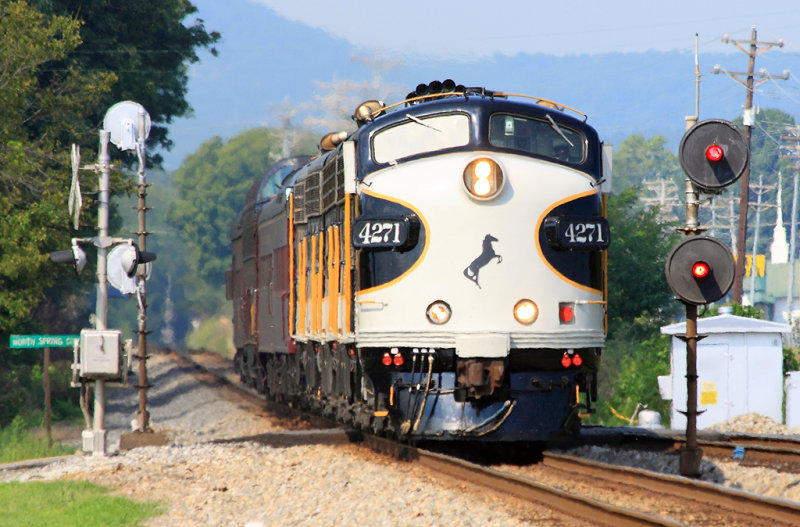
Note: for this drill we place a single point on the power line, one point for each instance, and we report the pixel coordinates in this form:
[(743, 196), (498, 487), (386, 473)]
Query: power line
[(749, 82)]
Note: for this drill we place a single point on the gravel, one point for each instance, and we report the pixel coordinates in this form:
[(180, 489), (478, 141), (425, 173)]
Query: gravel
[(757, 480), (252, 485), (755, 424)]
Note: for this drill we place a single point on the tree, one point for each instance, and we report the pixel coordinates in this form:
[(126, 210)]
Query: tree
[(38, 107), (639, 302), (638, 364), (765, 160), (212, 183), (638, 294), (33, 117), (639, 159), (147, 46)]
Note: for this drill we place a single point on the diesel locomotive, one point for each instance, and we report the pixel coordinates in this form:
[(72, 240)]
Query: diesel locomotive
[(437, 274)]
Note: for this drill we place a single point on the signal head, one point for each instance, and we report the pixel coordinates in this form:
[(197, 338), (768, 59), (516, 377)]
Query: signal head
[(700, 270), (714, 154)]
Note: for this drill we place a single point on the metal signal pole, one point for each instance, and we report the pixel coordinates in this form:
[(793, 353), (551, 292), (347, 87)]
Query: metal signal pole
[(749, 118)]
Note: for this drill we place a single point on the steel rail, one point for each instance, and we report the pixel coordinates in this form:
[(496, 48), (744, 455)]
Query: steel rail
[(772, 452), (775, 510), (586, 509)]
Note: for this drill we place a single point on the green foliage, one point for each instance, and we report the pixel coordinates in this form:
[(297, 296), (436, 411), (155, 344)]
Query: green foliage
[(764, 141), (639, 299), (39, 108), (638, 159), (17, 443), (791, 360), (766, 161), (212, 183), (68, 504), (738, 310), (631, 371), (214, 334), (22, 392), (638, 295), (148, 45)]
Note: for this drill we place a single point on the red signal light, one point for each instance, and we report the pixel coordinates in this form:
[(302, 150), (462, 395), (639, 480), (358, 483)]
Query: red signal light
[(398, 360), (714, 153), (387, 359), (566, 361), (577, 360), (566, 313), (700, 270)]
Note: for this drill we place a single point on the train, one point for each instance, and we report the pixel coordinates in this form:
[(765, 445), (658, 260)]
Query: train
[(437, 274)]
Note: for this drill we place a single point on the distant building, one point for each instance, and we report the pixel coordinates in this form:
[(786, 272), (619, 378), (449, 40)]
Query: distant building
[(771, 292)]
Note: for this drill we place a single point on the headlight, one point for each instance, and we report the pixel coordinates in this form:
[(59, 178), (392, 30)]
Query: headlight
[(483, 178), (438, 312), (526, 312)]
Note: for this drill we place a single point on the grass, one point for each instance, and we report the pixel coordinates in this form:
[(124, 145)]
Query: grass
[(214, 334), (68, 504), (17, 443)]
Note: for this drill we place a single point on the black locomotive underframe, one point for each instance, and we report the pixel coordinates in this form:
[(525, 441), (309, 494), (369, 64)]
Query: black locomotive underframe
[(354, 387)]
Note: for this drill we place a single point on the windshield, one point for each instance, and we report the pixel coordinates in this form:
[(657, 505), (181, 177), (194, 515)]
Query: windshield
[(537, 136), (272, 185), (418, 135)]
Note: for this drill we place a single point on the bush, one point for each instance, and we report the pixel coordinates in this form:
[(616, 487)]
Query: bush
[(17, 443)]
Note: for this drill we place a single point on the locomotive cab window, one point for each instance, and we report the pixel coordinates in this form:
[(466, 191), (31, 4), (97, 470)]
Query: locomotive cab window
[(272, 184), (537, 136), (419, 135)]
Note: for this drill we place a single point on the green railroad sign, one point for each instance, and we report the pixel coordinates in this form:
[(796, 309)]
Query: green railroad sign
[(42, 341)]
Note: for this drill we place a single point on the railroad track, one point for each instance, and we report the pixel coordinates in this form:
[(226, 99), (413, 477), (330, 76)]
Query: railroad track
[(783, 455), (693, 502), (576, 487)]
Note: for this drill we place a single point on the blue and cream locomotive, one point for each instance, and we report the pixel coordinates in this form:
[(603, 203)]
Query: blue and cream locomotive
[(437, 274)]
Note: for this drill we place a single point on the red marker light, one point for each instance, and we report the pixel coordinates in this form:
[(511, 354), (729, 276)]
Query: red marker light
[(387, 359), (577, 360), (398, 360), (566, 361), (714, 153), (700, 270), (566, 313)]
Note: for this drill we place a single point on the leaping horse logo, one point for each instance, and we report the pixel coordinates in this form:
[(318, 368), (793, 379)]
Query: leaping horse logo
[(486, 256)]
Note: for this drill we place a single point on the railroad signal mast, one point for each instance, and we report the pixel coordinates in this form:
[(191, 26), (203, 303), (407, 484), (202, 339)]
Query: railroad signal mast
[(98, 353), (700, 269)]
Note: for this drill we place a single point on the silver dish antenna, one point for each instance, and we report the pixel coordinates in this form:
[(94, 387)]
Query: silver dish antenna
[(121, 121)]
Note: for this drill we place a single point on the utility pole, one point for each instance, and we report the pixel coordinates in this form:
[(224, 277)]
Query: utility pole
[(793, 146), (749, 83), (666, 197), (141, 135), (760, 191)]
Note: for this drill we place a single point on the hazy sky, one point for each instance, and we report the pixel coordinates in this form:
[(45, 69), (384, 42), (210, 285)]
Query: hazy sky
[(476, 28)]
